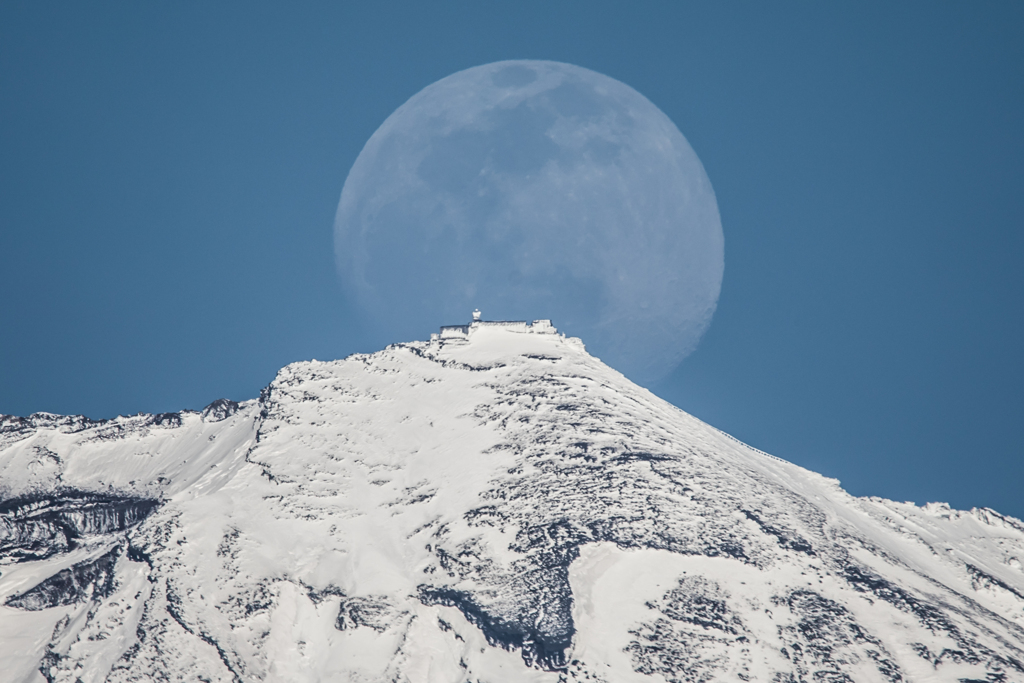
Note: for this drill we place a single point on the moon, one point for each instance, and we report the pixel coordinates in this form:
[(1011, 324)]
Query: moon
[(535, 189)]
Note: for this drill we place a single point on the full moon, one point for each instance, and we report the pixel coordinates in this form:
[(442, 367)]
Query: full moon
[(534, 189)]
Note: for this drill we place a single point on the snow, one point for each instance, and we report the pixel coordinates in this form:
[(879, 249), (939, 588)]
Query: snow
[(496, 507)]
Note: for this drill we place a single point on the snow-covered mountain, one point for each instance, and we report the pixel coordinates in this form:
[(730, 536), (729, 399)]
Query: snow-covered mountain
[(493, 505)]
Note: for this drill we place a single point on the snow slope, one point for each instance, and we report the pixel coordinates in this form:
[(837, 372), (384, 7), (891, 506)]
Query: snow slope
[(503, 507)]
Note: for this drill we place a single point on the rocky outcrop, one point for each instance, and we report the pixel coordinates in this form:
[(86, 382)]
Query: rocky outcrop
[(90, 580), (40, 526)]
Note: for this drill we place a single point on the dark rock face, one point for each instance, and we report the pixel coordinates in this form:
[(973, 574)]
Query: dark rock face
[(699, 602), (83, 581), (34, 528), (826, 639), (541, 643), (371, 612), (686, 643), (37, 527), (786, 539), (13, 428), (219, 410), (167, 420)]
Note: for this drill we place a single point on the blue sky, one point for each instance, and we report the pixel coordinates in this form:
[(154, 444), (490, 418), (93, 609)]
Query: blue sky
[(169, 175)]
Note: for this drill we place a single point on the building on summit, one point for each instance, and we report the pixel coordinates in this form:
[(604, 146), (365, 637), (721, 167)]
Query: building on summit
[(465, 331)]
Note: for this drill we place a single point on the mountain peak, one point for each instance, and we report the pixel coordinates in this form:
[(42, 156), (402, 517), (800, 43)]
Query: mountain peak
[(492, 504)]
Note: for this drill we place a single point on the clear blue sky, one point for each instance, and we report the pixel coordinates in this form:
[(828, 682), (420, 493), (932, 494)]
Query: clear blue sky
[(169, 174)]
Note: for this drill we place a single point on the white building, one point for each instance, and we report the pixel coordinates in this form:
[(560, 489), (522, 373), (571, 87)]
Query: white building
[(467, 330)]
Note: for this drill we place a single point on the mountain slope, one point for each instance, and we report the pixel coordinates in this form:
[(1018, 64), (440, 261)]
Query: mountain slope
[(489, 506)]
